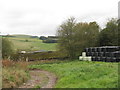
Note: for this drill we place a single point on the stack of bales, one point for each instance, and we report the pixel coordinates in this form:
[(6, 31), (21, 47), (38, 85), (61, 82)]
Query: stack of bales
[(105, 53)]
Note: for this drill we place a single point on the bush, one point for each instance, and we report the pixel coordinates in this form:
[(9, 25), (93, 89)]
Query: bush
[(26, 40), (49, 41), (39, 56), (7, 48), (34, 37), (53, 37), (43, 38)]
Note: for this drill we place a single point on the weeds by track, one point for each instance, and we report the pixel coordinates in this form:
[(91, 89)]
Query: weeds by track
[(40, 79)]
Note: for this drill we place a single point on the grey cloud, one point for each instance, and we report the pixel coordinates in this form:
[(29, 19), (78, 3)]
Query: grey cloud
[(23, 24), (119, 9), (41, 17)]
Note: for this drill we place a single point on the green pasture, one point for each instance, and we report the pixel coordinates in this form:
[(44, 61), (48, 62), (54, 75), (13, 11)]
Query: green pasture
[(31, 44), (82, 74)]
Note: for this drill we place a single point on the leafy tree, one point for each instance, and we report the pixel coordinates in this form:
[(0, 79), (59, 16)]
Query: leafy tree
[(109, 35), (74, 37), (43, 38), (65, 34), (86, 35), (7, 48), (26, 40), (49, 41), (118, 32)]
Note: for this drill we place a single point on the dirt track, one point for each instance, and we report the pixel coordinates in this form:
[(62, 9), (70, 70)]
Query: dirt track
[(40, 78)]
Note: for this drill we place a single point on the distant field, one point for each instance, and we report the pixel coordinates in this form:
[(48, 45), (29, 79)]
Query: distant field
[(81, 74), (24, 42)]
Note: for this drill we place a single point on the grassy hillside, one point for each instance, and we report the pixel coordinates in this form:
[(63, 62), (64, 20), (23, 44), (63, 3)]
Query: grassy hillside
[(24, 42), (81, 74)]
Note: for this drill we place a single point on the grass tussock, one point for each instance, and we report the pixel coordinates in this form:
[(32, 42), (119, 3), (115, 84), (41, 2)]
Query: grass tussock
[(14, 73)]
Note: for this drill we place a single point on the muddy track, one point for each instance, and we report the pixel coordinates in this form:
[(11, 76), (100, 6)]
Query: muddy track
[(40, 78)]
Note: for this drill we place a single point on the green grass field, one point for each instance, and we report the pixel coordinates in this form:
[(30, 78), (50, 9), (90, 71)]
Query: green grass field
[(32, 44), (82, 74)]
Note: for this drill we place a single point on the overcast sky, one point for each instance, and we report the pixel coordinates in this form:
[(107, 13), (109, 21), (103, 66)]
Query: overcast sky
[(42, 17)]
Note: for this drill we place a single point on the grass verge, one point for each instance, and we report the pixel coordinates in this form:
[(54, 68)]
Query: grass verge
[(14, 74)]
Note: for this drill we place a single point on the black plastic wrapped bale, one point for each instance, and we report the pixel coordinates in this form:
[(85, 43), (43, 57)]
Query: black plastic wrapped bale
[(108, 59), (112, 54), (98, 58), (108, 54), (103, 49), (111, 49), (103, 59), (118, 48), (89, 49), (96, 54), (93, 59), (94, 49), (116, 54), (92, 54), (86, 50), (99, 49), (87, 54), (103, 54), (113, 59), (117, 59), (99, 54)]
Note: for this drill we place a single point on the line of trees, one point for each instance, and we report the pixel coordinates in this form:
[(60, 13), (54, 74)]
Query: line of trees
[(49, 39), (74, 37)]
